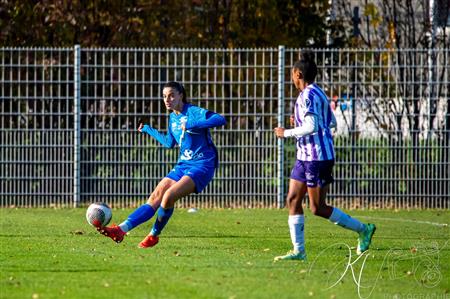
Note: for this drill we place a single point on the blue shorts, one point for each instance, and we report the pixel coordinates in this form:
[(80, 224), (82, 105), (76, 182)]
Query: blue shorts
[(313, 173), (201, 175)]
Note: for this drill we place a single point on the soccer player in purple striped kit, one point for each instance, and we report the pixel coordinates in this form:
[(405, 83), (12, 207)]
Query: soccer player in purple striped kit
[(189, 128), (312, 172)]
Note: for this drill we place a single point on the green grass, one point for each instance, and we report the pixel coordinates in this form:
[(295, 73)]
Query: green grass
[(54, 253)]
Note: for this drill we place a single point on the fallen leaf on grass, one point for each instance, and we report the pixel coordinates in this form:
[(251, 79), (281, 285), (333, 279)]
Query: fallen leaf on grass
[(77, 232)]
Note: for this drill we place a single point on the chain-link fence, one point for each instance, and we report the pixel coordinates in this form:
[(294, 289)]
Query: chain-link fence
[(69, 119)]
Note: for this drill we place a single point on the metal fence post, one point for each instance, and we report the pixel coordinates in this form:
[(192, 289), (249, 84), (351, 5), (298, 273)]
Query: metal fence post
[(76, 126), (280, 147)]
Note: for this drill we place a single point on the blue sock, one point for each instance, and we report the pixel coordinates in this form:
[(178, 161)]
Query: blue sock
[(161, 221), (140, 215)]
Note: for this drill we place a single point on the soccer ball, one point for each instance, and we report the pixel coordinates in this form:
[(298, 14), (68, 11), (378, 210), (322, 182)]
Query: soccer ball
[(98, 214)]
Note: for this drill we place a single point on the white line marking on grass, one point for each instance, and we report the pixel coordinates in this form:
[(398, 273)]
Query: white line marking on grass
[(405, 220)]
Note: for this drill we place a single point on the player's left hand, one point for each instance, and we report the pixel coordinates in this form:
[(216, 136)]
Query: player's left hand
[(141, 126), (279, 132)]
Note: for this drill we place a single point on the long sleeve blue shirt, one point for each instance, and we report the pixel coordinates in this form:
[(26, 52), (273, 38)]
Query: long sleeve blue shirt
[(196, 145)]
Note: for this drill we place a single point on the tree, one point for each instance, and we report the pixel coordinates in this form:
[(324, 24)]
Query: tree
[(163, 23), (406, 90)]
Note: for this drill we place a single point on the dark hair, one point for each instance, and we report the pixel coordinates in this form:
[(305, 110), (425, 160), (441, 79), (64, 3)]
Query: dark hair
[(179, 87), (307, 66)]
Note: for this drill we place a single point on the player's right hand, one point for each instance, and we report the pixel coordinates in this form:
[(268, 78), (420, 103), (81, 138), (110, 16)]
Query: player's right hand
[(279, 132)]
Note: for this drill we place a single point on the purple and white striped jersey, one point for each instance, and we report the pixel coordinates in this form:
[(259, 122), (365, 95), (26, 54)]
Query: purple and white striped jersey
[(317, 146)]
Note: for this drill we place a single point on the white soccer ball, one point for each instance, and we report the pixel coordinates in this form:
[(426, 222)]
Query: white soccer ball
[(98, 214)]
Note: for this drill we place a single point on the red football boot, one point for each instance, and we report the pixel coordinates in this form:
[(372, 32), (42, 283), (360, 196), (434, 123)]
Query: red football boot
[(114, 232), (149, 241)]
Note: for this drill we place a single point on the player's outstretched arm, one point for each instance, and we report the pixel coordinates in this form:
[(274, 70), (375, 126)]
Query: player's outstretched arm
[(166, 140), (209, 120)]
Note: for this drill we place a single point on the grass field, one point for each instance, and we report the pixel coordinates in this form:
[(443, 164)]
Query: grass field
[(54, 253)]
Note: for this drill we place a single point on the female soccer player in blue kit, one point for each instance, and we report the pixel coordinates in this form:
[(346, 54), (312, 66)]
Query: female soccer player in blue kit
[(312, 171), (189, 128)]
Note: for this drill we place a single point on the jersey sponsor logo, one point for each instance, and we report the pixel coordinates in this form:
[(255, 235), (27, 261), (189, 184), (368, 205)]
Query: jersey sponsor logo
[(309, 176), (198, 155), (187, 155), (307, 103)]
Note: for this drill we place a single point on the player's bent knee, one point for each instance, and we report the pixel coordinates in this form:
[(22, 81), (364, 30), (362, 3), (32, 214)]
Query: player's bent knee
[(292, 198)]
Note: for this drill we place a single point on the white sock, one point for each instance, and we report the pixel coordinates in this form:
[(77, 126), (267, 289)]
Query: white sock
[(340, 218), (296, 228), (124, 226)]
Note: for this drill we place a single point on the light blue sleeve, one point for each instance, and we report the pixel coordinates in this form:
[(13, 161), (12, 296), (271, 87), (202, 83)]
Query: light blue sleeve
[(204, 119), (165, 139)]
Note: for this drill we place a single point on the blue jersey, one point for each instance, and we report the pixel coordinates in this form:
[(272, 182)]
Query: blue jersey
[(319, 145), (196, 145)]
